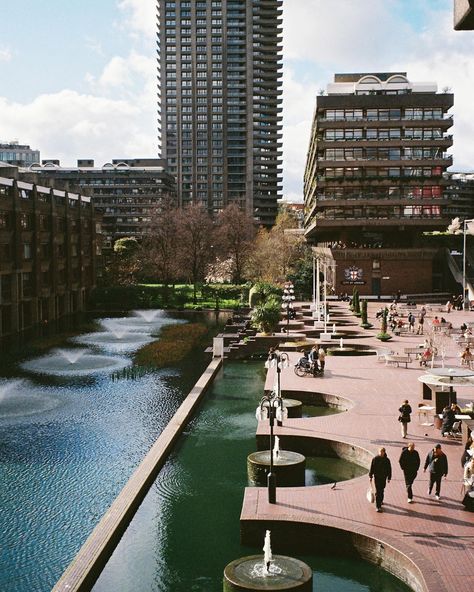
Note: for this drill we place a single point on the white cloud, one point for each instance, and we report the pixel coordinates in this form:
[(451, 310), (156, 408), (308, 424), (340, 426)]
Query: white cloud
[(69, 125), (364, 36), (140, 16), (5, 54)]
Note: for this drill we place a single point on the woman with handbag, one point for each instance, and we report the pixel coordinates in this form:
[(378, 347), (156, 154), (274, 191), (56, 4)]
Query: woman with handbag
[(404, 417)]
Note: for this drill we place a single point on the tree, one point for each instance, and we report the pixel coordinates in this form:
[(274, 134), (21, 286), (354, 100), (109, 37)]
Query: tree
[(276, 251), (235, 231), (195, 234), (160, 248), (124, 265)]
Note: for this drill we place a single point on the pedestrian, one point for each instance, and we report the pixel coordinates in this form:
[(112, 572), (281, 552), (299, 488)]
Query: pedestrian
[(437, 464), (321, 359), (381, 473), (411, 322), (404, 417), (410, 463), (449, 417), (421, 322), (313, 359)]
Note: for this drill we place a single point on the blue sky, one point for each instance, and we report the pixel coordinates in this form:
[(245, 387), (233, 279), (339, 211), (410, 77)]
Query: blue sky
[(78, 78)]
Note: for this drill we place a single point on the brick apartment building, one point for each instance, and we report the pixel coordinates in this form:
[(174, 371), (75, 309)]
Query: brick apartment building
[(48, 252)]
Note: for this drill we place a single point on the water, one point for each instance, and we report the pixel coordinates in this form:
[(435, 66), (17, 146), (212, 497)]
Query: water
[(187, 529), (68, 445)]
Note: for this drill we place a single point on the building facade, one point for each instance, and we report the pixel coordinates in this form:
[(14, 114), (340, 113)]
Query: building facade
[(221, 102), (124, 191), (48, 252), (375, 180), (18, 154)]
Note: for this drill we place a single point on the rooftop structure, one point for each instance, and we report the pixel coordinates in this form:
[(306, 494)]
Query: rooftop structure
[(18, 154)]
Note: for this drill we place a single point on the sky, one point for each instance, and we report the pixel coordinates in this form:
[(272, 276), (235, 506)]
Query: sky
[(78, 77)]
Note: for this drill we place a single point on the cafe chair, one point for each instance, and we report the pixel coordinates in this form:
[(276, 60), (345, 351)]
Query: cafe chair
[(455, 431)]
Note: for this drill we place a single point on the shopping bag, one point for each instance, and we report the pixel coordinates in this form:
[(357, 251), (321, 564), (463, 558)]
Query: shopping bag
[(370, 495)]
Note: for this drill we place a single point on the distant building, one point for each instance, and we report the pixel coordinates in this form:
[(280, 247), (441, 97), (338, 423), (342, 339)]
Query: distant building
[(48, 251), (18, 154), (220, 77), (125, 191), (375, 180)]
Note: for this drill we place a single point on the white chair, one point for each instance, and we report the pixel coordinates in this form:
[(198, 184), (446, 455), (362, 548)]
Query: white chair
[(455, 431)]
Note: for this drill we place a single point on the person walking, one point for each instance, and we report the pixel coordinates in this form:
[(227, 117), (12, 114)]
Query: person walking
[(421, 322), (381, 473), (410, 463), (404, 417), (437, 464), (411, 322)]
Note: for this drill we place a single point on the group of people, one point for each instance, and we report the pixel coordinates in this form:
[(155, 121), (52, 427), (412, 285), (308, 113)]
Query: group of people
[(315, 359), (380, 473)]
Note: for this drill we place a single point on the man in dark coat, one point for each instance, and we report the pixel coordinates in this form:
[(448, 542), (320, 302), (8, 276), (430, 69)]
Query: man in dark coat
[(381, 472), (410, 463), (437, 464)]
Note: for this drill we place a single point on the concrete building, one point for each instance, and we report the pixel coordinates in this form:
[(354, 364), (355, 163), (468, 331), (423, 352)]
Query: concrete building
[(124, 191), (221, 94), (48, 252), (375, 180), (18, 154), (464, 15)]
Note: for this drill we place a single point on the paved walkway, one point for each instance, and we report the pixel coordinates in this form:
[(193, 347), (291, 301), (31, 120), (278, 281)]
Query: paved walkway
[(436, 535)]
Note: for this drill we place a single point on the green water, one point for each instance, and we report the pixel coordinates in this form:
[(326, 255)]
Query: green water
[(187, 529)]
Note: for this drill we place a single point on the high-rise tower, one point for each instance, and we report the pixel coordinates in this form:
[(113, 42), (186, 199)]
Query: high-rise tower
[(220, 92)]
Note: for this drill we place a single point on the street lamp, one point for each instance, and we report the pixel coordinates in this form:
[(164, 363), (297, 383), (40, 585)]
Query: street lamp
[(287, 298), (271, 407), (279, 360), (465, 291)]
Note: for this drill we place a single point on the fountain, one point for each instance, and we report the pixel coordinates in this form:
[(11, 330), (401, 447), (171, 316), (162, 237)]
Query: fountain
[(341, 343), (71, 355), (276, 447), (116, 338), (275, 572), (74, 362), (19, 398), (148, 315)]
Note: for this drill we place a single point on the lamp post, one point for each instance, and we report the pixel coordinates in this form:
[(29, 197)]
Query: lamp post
[(465, 291), (287, 298), (271, 407)]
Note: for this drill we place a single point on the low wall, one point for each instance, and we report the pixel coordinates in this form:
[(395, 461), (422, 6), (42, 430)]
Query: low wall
[(94, 554), (314, 539)]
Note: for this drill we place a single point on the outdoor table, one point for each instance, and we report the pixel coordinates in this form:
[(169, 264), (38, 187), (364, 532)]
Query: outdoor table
[(467, 426)]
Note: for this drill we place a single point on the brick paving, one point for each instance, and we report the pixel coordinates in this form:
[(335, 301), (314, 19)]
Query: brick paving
[(436, 535)]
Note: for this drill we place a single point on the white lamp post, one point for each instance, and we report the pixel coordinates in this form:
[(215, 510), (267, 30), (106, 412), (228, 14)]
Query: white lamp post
[(287, 298)]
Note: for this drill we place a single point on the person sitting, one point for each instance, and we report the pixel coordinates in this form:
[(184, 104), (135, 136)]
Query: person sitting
[(466, 357), (449, 417), (463, 327), (303, 361), (468, 482), (426, 356)]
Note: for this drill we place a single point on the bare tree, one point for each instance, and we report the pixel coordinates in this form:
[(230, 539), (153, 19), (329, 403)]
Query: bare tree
[(195, 235), (160, 247), (235, 234)]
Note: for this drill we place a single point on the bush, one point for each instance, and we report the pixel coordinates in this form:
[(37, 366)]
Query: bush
[(266, 316)]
